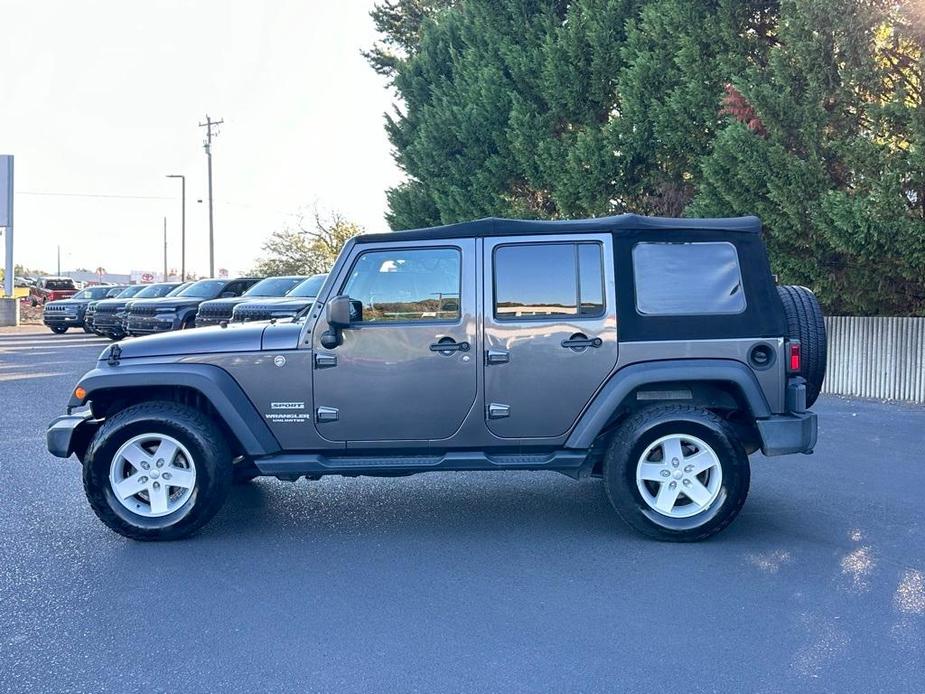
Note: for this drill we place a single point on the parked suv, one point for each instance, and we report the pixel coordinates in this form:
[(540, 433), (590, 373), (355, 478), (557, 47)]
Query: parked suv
[(294, 302), (178, 311), (71, 313), (48, 289), (218, 310), (654, 353), (109, 313)]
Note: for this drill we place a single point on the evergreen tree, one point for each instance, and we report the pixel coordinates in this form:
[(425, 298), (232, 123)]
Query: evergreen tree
[(836, 170)]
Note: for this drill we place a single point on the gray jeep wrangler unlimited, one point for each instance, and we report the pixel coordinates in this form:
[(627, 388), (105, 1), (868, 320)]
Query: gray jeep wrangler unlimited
[(655, 353)]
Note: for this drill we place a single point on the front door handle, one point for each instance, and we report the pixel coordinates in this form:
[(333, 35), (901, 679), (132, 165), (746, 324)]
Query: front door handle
[(448, 344), (581, 341)]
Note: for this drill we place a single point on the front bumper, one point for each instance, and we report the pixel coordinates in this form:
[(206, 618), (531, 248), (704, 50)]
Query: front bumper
[(63, 320), (70, 434), (788, 433), (203, 321), (147, 325)]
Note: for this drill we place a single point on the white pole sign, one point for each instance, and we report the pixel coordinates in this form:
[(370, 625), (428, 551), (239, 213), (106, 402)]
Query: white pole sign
[(6, 216), (6, 190)]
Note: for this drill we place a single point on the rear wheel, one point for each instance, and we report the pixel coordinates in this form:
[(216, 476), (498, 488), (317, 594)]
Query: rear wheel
[(157, 471), (804, 323), (676, 473), (88, 329)]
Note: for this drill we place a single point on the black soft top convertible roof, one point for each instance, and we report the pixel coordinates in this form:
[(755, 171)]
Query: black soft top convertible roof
[(499, 226)]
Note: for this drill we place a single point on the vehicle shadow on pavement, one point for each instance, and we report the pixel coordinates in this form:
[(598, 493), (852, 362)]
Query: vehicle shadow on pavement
[(458, 504)]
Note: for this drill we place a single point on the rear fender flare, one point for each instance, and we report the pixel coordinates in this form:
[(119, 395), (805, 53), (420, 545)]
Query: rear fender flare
[(626, 380)]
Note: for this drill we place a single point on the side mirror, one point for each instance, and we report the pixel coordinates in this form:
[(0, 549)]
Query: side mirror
[(337, 312)]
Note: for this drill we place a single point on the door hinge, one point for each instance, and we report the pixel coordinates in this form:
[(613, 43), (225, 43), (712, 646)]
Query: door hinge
[(497, 356), (324, 361), (498, 411), (327, 414)]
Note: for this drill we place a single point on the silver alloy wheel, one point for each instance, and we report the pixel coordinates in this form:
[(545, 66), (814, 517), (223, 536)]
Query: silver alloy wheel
[(152, 475), (679, 476)]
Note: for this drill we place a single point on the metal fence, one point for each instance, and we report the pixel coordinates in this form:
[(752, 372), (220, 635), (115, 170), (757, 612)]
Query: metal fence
[(876, 357)]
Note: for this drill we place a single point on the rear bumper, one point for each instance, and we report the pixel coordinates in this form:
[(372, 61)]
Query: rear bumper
[(788, 433), (70, 433)]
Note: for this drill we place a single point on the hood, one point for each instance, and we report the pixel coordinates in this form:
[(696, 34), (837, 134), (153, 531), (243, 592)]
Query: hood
[(281, 303), (174, 301), (243, 337), (227, 301), (63, 303), (111, 303)]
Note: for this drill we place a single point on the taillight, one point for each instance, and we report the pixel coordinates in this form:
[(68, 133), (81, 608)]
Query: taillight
[(794, 359)]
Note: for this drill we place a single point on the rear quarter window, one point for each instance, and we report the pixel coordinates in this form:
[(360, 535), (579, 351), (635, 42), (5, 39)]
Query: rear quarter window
[(685, 279)]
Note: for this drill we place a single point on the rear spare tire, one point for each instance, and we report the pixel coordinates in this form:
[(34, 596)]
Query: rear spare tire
[(804, 323)]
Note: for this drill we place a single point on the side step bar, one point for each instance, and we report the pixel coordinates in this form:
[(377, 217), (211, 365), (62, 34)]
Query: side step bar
[(287, 464)]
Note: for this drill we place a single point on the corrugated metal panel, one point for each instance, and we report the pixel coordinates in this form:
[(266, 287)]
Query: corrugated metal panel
[(876, 357)]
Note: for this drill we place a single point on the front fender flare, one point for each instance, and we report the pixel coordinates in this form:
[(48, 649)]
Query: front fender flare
[(215, 384), (593, 420)]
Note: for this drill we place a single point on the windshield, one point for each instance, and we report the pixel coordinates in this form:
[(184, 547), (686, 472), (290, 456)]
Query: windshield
[(92, 293), (59, 284), (154, 291), (179, 289), (114, 292), (203, 289), (309, 287), (273, 286), (128, 292)]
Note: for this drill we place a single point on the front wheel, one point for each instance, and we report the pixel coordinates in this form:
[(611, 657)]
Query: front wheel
[(157, 471), (59, 329), (676, 473), (88, 330)]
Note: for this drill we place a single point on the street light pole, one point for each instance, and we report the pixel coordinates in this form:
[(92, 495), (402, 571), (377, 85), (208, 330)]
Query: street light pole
[(59, 260), (182, 224), (165, 249), (207, 145)]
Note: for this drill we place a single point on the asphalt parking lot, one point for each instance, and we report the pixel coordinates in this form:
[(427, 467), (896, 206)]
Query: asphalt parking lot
[(458, 582)]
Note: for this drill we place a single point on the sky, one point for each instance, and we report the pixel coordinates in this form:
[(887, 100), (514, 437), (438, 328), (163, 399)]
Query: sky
[(104, 98)]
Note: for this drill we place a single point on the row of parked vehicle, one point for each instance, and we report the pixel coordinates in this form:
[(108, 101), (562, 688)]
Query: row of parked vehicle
[(141, 309)]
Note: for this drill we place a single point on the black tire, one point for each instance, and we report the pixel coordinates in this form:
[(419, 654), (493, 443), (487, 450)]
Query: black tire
[(197, 432), (88, 330), (804, 323), (58, 329), (645, 427)]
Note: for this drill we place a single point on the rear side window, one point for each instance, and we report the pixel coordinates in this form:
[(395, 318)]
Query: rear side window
[(682, 279), (549, 280)]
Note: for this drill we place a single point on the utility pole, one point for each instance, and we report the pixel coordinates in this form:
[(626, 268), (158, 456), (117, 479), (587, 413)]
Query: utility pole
[(207, 144), (182, 224), (59, 261), (165, 249)]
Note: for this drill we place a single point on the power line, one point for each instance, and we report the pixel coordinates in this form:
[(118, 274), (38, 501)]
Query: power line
[(91, 195)]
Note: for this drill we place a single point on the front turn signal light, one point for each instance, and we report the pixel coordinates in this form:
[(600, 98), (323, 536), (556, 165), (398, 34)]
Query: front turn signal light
[(80, 393)]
